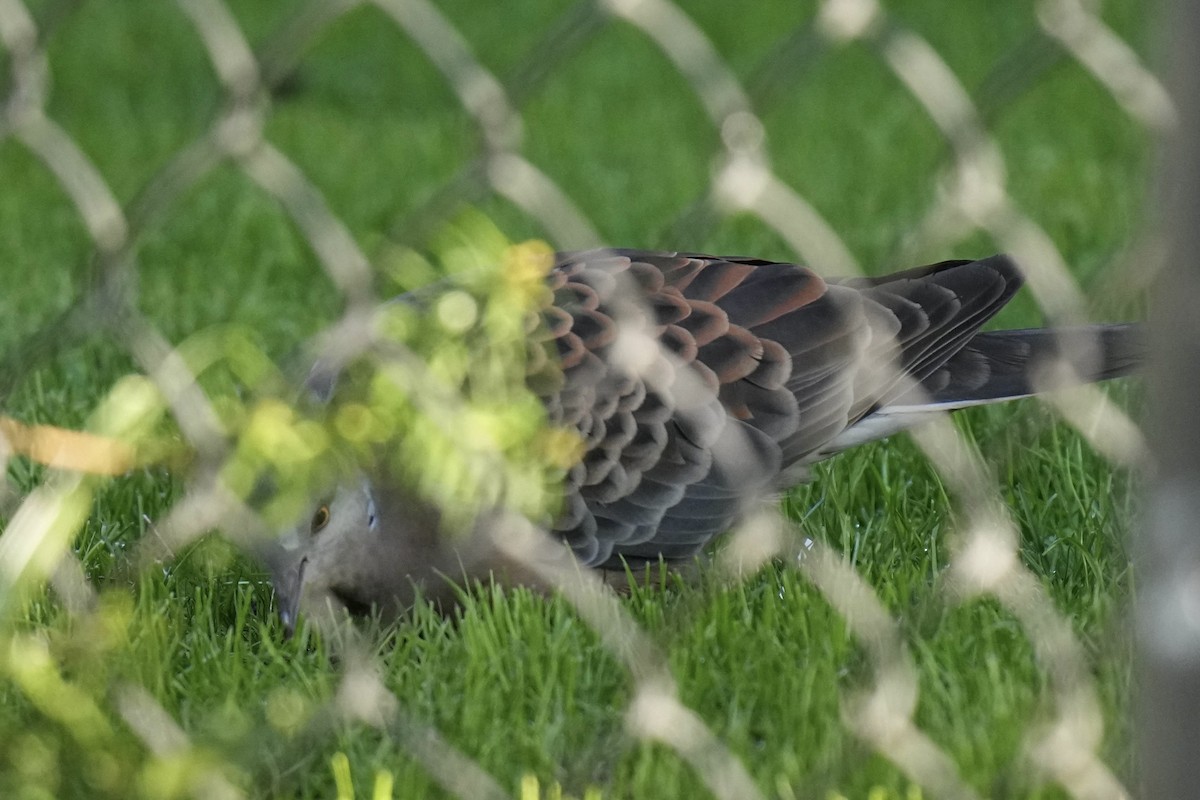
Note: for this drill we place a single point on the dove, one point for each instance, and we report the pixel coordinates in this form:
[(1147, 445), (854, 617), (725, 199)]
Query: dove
[(700, 386)]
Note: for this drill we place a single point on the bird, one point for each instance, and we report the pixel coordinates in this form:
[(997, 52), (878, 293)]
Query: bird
[(698, 385)]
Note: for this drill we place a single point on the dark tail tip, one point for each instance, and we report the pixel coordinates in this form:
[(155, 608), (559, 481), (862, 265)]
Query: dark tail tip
[(999, 365)]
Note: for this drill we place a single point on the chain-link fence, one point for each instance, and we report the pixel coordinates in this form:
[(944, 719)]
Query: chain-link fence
[(907, 121)]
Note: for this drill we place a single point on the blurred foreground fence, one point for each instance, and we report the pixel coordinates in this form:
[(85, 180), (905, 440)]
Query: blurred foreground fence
[(971, 197), (1168, 631)]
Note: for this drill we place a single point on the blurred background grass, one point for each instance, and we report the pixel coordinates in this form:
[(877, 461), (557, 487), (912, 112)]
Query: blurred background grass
[(519, 684)]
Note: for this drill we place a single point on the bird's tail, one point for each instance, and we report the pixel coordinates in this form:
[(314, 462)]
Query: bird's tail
[(1005, 365)]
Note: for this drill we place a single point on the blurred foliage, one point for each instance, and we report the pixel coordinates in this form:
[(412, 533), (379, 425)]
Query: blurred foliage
[(437, 395)]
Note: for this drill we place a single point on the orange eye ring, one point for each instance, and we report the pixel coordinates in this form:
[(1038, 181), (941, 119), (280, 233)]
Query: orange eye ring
[(320, 518)]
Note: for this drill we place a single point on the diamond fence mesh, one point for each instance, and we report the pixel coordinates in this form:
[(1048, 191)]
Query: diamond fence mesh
[(209, 404)]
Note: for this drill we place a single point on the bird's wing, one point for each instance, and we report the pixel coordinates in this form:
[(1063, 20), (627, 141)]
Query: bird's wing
[(695, 380)]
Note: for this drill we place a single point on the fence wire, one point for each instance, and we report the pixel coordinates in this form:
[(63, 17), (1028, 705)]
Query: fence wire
[(972, 196)]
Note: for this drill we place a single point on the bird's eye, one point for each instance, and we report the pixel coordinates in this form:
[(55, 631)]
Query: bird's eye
[(320, 518)]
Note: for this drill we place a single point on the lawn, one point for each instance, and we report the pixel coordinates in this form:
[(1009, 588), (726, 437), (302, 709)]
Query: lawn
[(518, 683)]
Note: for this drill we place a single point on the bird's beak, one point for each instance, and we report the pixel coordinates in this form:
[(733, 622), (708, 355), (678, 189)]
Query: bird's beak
[(289, 587)]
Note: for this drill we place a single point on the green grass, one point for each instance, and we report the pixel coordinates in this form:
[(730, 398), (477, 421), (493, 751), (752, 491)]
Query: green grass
[(518, 682)]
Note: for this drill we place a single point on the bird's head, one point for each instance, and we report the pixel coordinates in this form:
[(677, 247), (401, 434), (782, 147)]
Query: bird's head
[(313, 560), (356, 549), (372, 547)]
